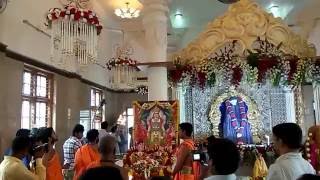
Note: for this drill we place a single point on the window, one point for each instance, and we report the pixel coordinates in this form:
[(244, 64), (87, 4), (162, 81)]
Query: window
[(127, 119), (36, 99), (96, 110)]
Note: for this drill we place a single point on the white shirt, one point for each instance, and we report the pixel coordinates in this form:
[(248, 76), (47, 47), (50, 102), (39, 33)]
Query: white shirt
[(289, 166), (102, 133), (222, 177)]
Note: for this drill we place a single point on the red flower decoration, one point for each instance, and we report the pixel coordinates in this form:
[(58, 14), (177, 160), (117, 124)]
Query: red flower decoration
[(264, 65), (293, 68), (234, 123)]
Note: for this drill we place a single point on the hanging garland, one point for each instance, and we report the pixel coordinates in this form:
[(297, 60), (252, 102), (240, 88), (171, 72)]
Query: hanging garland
[(75, 14), (126, 61), (266, 62), (234, 122)]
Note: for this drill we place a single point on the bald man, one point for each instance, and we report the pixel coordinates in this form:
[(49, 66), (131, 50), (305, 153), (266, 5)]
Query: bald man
[(107, 148)]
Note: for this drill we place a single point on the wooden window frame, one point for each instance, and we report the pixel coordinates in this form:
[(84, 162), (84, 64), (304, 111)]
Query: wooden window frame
[(34, 99)]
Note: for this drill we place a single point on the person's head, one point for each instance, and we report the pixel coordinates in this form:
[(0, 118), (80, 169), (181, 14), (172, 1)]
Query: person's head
[(225, 157), (104, 125), (78, 131), (47, 135), (107, 145), (101, 173), (21, 146), (287, 137), (93, 136), (185, 130), (309, 177), (23, 132), (114, 129)]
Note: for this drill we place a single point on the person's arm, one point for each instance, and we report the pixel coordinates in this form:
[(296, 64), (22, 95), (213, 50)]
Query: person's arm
[(124, 174), (40, 169), (184, 153)]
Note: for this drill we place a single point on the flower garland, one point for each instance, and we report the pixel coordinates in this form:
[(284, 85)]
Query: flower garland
[(234, 120), (115, 62), (266, 62), (148, 162), (75, 14)]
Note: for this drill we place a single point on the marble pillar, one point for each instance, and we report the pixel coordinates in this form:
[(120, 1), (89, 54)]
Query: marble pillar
[(155, 25), (316, 103)]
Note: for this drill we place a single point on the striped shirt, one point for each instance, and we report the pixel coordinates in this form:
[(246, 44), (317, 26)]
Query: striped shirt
[(70, 148)]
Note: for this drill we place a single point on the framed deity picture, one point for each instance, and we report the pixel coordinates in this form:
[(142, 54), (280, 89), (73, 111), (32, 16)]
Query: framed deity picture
[(156, 122)]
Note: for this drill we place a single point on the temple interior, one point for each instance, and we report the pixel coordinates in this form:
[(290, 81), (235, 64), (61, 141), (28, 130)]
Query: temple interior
[(233, 69)]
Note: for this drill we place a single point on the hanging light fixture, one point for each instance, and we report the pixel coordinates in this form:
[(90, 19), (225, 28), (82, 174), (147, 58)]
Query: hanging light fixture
[(127, 12), (74, 35), (123, 70)]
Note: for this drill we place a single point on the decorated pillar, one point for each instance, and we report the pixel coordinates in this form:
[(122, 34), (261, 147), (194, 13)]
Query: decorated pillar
[(155, 25), (290, 106), (316, 97)]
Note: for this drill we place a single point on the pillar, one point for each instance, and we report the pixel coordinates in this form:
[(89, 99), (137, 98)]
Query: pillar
[(290, 106), (316, 103), (155, 25)]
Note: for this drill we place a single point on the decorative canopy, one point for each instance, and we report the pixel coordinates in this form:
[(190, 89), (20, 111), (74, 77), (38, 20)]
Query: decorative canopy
[(244, 21)]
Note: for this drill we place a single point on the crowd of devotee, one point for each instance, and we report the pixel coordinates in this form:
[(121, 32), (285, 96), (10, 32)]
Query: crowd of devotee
[(32, 156)]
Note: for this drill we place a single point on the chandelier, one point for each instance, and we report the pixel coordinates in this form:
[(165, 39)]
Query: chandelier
[(127, 12), (74, 35), (122, 69)]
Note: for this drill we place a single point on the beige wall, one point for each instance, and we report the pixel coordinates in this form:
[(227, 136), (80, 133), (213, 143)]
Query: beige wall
[(70, 93), (10, 99)]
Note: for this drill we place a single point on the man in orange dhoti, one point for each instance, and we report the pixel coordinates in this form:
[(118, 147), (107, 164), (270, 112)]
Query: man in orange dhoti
[(185, 168), (87, 153), (51, 159)]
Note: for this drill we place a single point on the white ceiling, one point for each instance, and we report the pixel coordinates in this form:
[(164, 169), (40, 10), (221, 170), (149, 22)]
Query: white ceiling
[(197, 13)]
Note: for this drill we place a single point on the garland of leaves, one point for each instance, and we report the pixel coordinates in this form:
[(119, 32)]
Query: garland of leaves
[(265, 63)]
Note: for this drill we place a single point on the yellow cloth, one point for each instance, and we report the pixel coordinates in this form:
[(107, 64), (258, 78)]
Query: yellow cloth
[(39, 169), (260, 168), (12, 168)]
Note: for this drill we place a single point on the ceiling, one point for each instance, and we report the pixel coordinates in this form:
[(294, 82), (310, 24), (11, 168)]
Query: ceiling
[(197, 13)]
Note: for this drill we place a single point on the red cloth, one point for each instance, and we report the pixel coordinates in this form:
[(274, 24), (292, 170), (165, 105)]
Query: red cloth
[(195, 165)]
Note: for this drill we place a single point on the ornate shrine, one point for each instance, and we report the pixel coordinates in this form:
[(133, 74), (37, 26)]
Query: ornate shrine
[(250, 55)]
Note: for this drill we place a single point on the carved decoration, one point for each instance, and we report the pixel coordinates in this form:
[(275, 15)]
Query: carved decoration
[(253, 112), (244, 21)]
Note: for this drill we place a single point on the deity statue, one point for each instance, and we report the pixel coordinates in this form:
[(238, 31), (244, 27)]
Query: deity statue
[(234, 123), (156, 129)]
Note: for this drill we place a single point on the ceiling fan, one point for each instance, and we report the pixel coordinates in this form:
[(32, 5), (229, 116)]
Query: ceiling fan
[(228, 1)]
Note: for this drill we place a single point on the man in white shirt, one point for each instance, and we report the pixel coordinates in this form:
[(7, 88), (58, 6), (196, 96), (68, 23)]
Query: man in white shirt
[(224, 160), (287, 139), (103, 131)]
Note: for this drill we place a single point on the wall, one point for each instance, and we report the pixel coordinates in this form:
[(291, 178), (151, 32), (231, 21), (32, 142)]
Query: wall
[(19, 36), (10, 99), (70, 93)]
